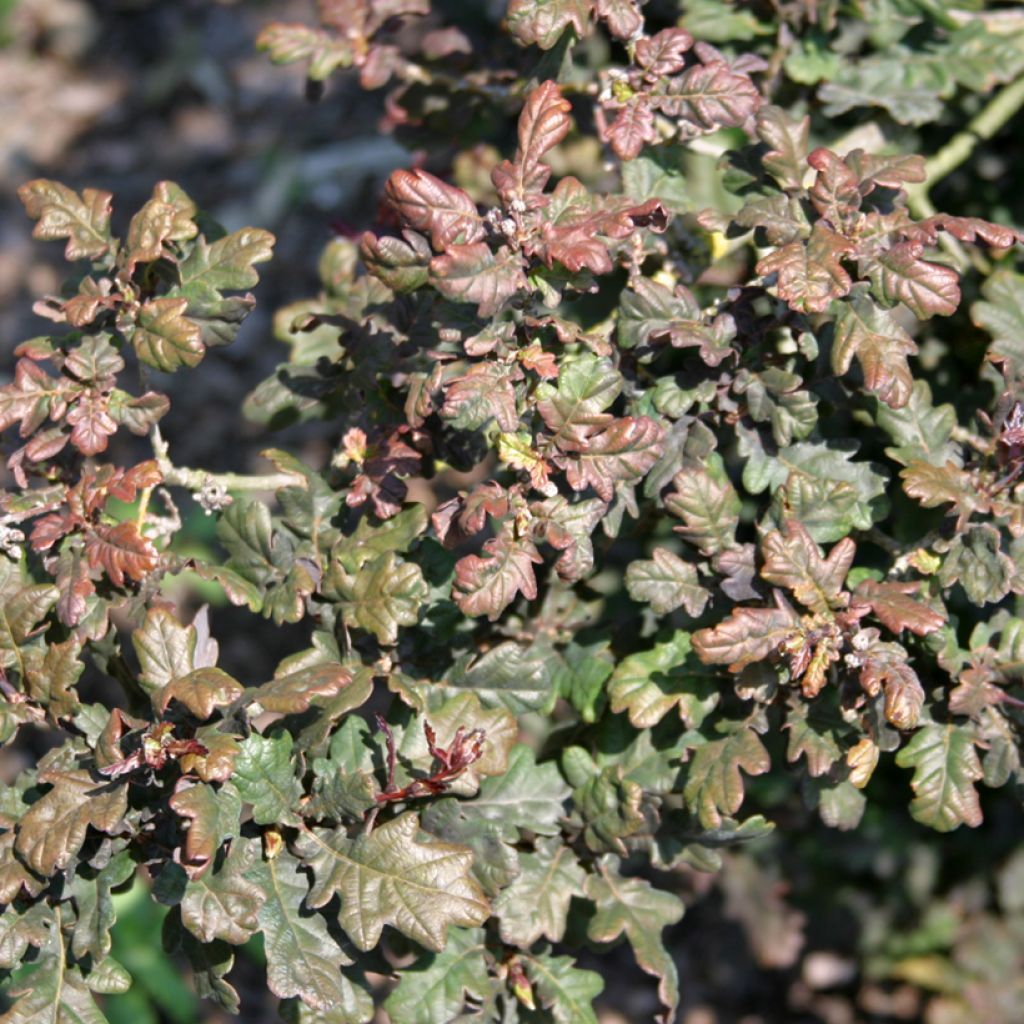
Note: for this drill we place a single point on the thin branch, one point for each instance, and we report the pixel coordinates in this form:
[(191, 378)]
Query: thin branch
[(983, 126), (198, 479)]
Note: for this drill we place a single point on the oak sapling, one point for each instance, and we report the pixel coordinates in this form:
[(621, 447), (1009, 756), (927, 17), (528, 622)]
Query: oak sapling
[(719, 528)]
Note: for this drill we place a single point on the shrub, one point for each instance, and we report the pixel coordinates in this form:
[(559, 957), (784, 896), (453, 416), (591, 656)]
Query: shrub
[(699, 517)]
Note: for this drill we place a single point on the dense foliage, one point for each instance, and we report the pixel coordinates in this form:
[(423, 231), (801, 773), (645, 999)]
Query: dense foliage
[(710, 521)]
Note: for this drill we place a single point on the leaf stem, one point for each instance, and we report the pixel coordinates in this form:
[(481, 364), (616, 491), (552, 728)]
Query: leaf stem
[(197, 479)]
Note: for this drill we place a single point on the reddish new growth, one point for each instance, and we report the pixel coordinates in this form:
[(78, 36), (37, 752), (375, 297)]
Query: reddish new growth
[(157, 748), (465, 749)]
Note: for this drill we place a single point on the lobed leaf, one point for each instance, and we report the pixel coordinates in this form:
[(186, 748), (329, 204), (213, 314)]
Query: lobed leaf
[(542, 22), (634, 908), (945, 767), (714, 786), (437, 985), (536, 903), (392, 877), (666, 582), (84, 220), (427, 204)]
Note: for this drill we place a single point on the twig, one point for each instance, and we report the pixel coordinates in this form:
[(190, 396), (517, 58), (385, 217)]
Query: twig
[(197, 479), (984, 125), (1013, 702)]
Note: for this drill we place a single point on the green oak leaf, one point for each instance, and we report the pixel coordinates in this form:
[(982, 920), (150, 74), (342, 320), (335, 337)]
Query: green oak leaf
[(511, 675), (226, 264), (610, 806), (387, 593), (292, 692), (31, 926), (946, 767), (391, 876), (223, 902), (1002, 315), (165, 648), (495, 858), (537, 902), (920, 430), (265, 777), (302, 958), (708, 505), (527, 795), (563, 989), (95, 906), (650, 684), (634, 908), (666, 582), (435, 987)]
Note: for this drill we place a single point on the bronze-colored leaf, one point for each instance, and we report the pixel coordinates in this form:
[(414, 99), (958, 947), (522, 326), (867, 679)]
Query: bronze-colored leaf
[(881, 346), (472, 273), (748, 635), (54, 828), (165, 338), (927, 289), (893, 606), (794, 561), (487, 585), (122, 552), (809, 274), (202, 691), (61, 213), (427, 204), (543, 123)]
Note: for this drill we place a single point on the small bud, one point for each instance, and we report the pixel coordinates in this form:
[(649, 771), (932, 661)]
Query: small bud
[(212, 496), (354, 447), (517, 206), (273, 844), (11, 539), (508, 227)]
